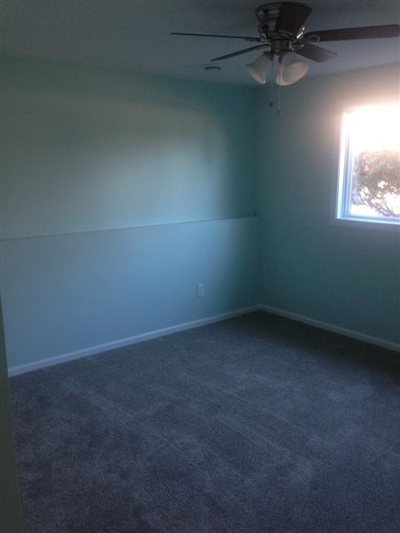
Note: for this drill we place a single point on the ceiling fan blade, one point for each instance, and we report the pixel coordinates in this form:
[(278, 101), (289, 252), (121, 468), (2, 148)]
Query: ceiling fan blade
[(348, 34), (250, 39), (316, 53), (240, 52)]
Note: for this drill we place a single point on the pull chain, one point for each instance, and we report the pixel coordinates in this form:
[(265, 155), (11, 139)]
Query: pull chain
[(278, 72), (279, 100), (271, 100), (279, 87)]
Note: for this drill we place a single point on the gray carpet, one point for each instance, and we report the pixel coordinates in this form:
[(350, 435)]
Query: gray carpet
[(255, 424)]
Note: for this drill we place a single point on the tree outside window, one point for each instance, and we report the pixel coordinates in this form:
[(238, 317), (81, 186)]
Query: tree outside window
[(369, 166)]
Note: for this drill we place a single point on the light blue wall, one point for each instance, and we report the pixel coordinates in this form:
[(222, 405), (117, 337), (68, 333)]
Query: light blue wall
[(120, 194), (345, 276), (92, 149), (67, 293)]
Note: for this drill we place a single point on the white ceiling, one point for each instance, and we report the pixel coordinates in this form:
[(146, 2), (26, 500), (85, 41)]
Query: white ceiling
[(136, 34)]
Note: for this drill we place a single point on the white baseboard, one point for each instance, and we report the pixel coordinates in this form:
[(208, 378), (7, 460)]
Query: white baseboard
[(329, 327), (64, 358)]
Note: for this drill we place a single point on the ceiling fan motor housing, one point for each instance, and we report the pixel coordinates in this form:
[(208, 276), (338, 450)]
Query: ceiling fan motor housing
[(282, 20), (281, 27)]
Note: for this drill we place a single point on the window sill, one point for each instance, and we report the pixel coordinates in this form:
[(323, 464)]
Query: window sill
[(367, 223)]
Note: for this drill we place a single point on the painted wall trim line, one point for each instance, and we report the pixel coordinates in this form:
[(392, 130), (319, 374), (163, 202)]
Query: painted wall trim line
[(329, 327), (64, 358), (126, 228)]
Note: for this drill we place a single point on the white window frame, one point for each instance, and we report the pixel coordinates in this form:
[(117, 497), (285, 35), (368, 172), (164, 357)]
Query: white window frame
[(343, 177)]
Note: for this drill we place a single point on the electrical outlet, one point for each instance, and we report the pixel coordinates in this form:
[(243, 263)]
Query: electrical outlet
[(200, 289)]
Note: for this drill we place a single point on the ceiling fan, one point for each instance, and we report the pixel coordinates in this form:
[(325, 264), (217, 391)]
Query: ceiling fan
[(282, 34)]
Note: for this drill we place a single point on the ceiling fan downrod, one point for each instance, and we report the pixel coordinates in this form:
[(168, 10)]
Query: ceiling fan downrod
[(281, 29)]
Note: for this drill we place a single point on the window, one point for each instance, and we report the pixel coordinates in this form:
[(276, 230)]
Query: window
[(369, 164)]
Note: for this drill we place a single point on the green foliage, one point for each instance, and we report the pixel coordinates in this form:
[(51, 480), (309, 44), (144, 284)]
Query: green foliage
[(376, 181)]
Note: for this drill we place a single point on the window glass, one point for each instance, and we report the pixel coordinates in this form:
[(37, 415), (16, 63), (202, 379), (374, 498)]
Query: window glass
[(369, 165)]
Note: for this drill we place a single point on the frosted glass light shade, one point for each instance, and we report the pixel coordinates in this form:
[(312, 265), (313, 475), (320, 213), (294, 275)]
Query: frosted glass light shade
[(259, 68), (280, 81), (292, 69)]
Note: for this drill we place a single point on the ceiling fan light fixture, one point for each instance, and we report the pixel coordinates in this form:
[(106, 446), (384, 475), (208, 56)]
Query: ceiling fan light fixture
[(282, 28), (280, 81), (259, 68), (292, 69)]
